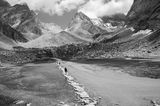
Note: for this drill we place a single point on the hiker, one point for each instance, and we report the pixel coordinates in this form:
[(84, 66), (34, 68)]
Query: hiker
[(65, 70)]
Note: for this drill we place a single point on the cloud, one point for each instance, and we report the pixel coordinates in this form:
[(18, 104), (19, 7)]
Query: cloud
[(98, 8), (51, 6), (92, 8)]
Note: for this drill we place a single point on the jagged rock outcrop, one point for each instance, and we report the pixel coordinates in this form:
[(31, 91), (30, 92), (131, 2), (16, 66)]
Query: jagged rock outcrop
[(21, 18), (82, 26), (9, 37), (105, 26), (144, 14), (11, 33)]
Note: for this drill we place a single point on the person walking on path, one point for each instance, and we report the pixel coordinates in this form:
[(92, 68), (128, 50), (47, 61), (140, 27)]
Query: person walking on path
[(65, 70)]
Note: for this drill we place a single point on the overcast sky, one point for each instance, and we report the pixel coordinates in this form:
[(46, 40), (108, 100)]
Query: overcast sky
[(62, 21), (61, 11)]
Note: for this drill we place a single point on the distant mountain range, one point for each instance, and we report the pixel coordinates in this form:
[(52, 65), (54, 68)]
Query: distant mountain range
[(135, 35), (119, 35), (81, 29)]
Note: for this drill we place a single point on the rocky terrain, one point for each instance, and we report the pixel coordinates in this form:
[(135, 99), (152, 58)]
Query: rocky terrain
[(21, 55), (11, 33), (9, 37), (21, 18), (144, 14), (82, 26)]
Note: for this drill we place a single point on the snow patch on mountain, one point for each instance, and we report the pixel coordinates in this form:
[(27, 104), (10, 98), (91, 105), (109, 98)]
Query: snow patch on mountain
[(16, 24), (143, 32), (105, 26)]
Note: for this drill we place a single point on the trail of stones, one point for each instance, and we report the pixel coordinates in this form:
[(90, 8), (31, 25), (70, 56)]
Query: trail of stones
[(85, 99)]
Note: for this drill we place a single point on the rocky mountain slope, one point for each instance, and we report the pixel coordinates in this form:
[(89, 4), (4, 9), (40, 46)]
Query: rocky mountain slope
[(21, 18), (13, 21), (144, 14), (105, 26), (82, 26), (50, 40), (19, 24), (9, 37), (80, 30), (11, 33), (140, 41)]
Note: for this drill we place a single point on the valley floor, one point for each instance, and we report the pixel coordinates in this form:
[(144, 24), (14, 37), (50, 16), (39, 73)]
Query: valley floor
[(115, 87), (35, 84), (114, 82)]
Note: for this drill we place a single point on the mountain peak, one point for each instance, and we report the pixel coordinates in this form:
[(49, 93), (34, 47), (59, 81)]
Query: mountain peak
[(80, 20), (82, 16), (22, 6), (80, 13)]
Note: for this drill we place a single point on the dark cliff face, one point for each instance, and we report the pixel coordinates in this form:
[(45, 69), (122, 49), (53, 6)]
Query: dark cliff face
[(5, 25), (21, 18), (11, 33), (144, 14)]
